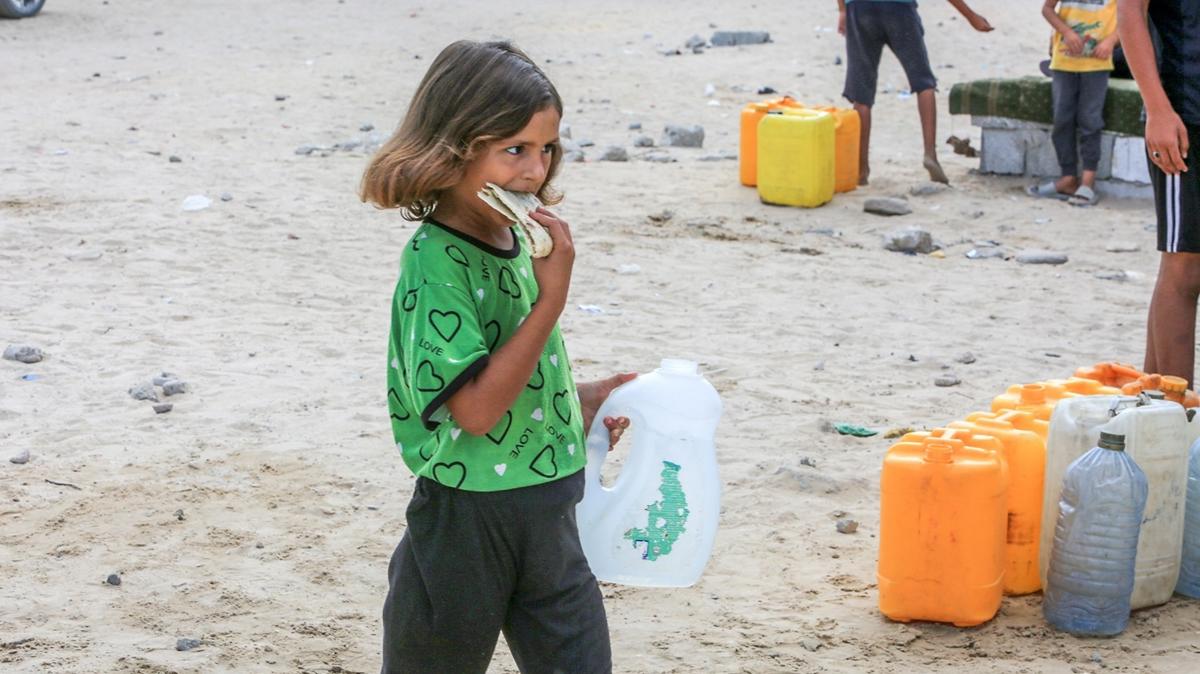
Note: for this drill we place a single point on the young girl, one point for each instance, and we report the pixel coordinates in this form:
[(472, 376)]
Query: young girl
[(483, 405)]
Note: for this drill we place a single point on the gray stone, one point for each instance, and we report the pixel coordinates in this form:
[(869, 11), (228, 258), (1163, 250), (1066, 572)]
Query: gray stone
[(21, 457), (658, 158), (675, 135), (113, 579), (585, 142), (695, 41), (945, 380), (1037, 256), (348, 145), (226, 196), (985, 252), (643, 141), (163, 408), (187, 644), (306, 150), (734, 38), (1122, 247), (164, 377), (806, 461), (908, 240), (614, 153), (175, 159), (367, 127), (847, 526), (574, 156), (174, 387), (966, 358), (23, 353), (720, 156), (1112, 276), (564, 131), (928, 189), (810, 644), (887, 206), (144, 391), (635, 126)]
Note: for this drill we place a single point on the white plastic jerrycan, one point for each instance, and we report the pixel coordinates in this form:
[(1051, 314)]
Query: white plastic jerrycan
[(655, 526), (1156, 438)]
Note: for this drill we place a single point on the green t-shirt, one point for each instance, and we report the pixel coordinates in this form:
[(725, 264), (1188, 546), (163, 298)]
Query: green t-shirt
[(457, 300)]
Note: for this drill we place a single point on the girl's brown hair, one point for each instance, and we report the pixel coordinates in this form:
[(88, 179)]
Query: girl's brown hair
[(474, 93)]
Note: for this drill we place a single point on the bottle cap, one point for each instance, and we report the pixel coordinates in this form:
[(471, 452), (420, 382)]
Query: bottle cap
[(1033, 394), (1113, 441), (678, 366), (1173, 384), (939, 452)]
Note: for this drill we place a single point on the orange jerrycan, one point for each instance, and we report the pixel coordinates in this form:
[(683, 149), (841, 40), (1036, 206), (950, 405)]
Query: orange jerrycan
[(795, 157), (942, 528), (1110, 374), (752, 114), (1173, 388), (1037, 399), (1079, 386), (847, 130), (1025, 453)]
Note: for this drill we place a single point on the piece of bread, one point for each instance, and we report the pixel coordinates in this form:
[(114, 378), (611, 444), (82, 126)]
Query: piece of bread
[(516, 206)]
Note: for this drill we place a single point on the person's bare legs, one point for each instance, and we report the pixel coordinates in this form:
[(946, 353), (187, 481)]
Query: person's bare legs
[(864, 142), (1171, 324), (927, 107), (1089, 179)]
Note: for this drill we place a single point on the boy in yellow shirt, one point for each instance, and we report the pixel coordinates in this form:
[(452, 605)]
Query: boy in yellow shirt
[(1081, 60)]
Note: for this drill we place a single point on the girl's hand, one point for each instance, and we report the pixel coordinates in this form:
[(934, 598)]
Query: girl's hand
[(1105, 47), (1073, 42), (553, 272), (593, 394), (1167, 141)]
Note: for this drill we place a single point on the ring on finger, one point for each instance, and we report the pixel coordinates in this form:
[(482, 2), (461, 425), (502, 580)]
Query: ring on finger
[(1156, 154)]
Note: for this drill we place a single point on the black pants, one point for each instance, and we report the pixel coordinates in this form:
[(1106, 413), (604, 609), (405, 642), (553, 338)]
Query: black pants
[(869, 27), (1078, 108), (474, 563), (1177, 201)]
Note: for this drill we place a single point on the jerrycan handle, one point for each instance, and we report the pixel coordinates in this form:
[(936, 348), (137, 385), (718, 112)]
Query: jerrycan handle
[(1118, 405), (597, 438)]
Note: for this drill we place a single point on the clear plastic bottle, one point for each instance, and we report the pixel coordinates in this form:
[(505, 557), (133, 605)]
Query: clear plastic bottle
[(1090, 583), (655, 527), (1189, 571)]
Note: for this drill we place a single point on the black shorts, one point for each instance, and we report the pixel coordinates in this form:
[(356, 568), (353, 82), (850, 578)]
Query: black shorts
[(1177, 201), (871, 25), (472, 564)]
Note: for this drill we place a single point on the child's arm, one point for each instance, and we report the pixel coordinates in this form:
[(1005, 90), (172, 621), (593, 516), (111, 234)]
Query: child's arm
[(478, 406), (841, 17), (1070, 37), (1106, 46), (977, 22), (1166, 136)]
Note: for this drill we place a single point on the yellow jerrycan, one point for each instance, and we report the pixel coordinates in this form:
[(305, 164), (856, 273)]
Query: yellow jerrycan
[(847, 137), (752, 114), (1025, 452), (942, 528), (796, 157)]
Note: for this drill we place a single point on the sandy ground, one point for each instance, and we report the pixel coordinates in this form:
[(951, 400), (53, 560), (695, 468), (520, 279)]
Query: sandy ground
[(259, 515)]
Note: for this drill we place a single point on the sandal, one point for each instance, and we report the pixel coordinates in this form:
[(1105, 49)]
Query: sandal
[(1084, 196), (1046, 190)]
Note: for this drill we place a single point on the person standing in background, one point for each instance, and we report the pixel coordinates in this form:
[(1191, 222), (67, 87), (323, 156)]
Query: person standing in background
[(869, 25)]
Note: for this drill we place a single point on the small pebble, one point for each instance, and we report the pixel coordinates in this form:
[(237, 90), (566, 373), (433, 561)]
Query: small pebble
[(675, 135), (175, 159), (966, 358), (847, 526), (259, 545), (985, 252), (179, 515), (585, 142), (909, 240), (21, 457), (1122, 247), (947, 380), (635, 126), (806, 461), (187, 644), (811, 644), (226, 196), (144, 392), (367, 127), (23, 354), (281, 97), (113, 579), (164, 377), (1037, 256), (174, 387), (887, 206), (614, 153), (643, 141), (928, 189), (163, 408)]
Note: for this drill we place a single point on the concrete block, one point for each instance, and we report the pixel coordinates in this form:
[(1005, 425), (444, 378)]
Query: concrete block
[(1002, 151), (1005, 123), (1040, 157), (1129, 161)]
